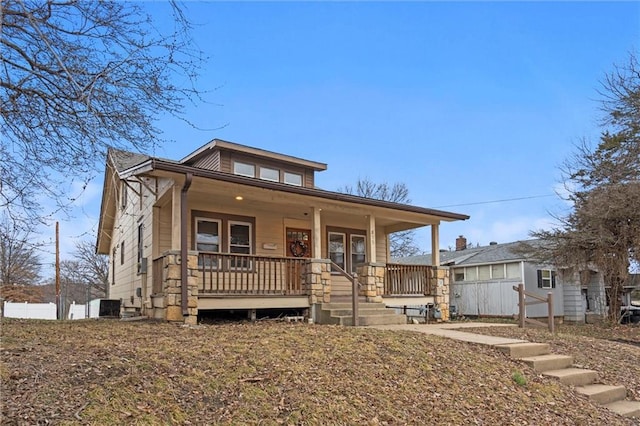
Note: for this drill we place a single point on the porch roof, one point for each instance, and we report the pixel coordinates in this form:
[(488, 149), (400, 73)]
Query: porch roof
[(156, 164)]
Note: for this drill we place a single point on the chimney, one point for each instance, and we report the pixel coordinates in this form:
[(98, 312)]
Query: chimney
[(461, 243), (493, 243)]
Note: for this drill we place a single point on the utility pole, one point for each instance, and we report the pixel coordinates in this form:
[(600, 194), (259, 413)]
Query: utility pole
[(58, 270)]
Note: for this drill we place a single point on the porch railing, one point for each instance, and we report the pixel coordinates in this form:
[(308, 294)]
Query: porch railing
[(407, 280), (242, 274)]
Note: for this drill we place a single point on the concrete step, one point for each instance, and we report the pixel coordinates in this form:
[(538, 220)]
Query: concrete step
[(603, 394), (573, 376), (548, 362), (369, 320), (361, 305), (625, 408), (522, 350)]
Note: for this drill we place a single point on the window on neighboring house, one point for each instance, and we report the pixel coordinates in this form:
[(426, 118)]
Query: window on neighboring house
[(513, 270), (267, 173), (122, 253), (113, 266), (140, 247), (546, 278), (458, 274), (497, 271), (484, 272), (358, 251), (471, 273), (244, 169), (293, 178), (240, 243)]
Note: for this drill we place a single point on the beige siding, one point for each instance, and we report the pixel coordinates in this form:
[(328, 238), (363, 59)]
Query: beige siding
[(209, 162)]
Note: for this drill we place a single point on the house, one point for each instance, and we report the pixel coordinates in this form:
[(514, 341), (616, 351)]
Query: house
[(482, 280), (256, 233)]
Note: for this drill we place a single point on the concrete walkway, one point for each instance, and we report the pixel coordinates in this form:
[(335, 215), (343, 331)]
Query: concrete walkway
[(451, 330)]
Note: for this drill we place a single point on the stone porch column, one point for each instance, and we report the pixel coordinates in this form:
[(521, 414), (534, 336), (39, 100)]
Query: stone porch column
[(440, 289), (371, 277), (317, 280), (172, 287)]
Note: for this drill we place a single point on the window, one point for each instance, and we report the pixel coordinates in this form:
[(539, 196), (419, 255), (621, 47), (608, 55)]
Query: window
[(140, 247), (471, 274), (497, 271), (123, 195), (122, 253), (244, 169), (458, 274), (214, 234), (240, 242), (208, 240), (270, 174), (113, 266), (293, 178), (336, 248), (484, 272), (358, 251), (513, 270), (546, 278)]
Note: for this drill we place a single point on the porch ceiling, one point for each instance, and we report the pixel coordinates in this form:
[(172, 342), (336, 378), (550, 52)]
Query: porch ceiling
[(262, 199)]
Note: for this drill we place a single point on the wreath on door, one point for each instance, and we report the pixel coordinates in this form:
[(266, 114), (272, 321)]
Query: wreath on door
[(298, 248)]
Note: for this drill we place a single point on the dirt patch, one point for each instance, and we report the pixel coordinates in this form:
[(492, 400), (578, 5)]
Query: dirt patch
[(110, 372)]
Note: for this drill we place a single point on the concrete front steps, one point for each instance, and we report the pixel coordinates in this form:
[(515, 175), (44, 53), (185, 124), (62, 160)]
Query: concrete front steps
[(368, 314), (538, 356)]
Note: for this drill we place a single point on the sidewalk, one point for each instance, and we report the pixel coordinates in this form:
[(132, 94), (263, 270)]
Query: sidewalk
[(450, 330)]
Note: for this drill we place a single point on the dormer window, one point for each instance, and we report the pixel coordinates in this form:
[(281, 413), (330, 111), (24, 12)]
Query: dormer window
[(293, 178), (244, 169), (272, 175)]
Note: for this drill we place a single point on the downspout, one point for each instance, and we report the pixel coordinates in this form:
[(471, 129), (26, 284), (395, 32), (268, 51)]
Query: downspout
[(184, 272)]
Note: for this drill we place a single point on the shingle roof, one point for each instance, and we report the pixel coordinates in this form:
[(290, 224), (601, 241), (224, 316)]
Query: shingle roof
[(123, 160), (474, 256)]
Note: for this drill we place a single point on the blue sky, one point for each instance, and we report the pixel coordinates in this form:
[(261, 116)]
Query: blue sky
[(464, 103)]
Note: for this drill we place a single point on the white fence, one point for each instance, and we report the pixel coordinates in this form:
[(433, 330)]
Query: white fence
[(30, 310)]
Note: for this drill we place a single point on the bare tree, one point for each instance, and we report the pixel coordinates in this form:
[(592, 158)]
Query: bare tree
[(403, 242), (93, 268), (603, 229), (19, 264), (77, 77)]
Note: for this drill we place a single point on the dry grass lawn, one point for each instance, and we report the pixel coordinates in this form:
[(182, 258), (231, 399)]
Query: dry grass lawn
[(270, 373)]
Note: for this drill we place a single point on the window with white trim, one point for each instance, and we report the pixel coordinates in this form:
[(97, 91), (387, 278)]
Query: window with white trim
[(546, 278), (358, 251), (240, 243), (458, 274), (497, 271), (244, 169), (513, 270), (293, 178), (208, 240), (337, 248)]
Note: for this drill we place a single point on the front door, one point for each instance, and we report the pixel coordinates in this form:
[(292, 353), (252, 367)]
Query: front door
[(298, 245)]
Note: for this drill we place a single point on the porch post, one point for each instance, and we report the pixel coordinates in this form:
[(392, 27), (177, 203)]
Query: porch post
[(441, 298), (317, 234), (371, 238), (175, 217), (435, 244)]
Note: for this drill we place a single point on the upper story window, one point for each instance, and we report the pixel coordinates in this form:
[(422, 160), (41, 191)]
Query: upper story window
[(267, 173), (244, 169), (293, 178)]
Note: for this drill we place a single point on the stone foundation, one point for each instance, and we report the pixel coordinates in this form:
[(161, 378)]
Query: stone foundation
[(316, 280)]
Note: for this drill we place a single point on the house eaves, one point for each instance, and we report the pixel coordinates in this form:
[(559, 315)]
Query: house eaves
[(155, 164)]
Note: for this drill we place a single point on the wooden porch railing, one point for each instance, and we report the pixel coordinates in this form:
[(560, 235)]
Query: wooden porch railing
[(407, 280), (249, 275)]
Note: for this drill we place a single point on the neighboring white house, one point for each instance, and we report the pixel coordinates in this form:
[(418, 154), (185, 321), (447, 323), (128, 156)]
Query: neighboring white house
[(482, 280)]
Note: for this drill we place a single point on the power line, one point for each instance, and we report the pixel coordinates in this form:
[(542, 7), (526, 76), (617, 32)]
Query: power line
[(496, 201)]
